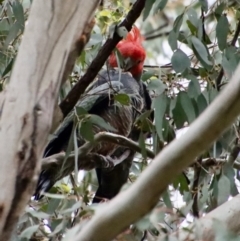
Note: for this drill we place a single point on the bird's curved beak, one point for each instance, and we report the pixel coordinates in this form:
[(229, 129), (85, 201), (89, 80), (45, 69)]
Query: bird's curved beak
[(128, 64)]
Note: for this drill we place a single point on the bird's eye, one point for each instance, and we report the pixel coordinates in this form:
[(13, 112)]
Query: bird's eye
[(139, 61)]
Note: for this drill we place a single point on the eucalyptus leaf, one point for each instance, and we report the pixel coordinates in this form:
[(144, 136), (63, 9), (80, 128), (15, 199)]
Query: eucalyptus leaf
[(204, 4), (55, 196), (201, 50), (160, 106), (147, 75), (224, 188), (180, 61), (172, 40), (95, 39), (219, 9), (52, 205), (222, 30), (192, 28), (194, 89), (179, 115), (229, 65), (71, 209), (86, 130), (178, 23), (166, 199), (193, 17), (80, 111), (202, 103), (168, 131), (187, 106), (157, 86), (18, 13), (99, 121), (185, 209), (28, 232), (147, 9), (160, 5), (13, 32), (143, 223), (59, 228), (123, 99), (38, 214)]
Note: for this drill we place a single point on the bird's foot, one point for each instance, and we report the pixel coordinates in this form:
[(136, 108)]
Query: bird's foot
[(108, 162), (100, 161), (113, 160)]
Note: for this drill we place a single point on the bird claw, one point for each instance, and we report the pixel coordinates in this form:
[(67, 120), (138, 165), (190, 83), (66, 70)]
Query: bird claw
[(108, 162), (113, 161)]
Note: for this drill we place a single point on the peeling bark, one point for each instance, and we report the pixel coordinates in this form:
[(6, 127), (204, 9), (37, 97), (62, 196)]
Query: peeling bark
[(28, 106)]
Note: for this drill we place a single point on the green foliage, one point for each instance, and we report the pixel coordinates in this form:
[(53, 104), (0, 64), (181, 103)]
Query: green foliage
[(181, 70)]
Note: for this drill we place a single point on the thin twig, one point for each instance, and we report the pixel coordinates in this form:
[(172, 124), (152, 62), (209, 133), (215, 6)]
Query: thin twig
[(159, 35)]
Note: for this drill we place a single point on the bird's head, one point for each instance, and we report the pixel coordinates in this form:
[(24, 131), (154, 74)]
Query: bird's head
[(132, 52)]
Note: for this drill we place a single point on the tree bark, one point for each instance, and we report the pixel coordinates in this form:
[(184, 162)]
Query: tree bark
[(133, 203), (29, 100), (78, 44)]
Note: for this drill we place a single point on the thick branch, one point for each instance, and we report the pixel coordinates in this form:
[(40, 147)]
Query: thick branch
[(142, 195), (73, 96), (29, 101)]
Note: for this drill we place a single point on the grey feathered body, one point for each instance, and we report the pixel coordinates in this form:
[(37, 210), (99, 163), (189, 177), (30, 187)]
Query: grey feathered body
[(98, 100)]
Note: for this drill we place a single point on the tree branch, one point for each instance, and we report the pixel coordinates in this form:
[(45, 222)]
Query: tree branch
[(90, 161), (73, 96), (142, 195), (159, 35), (39, 68)]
